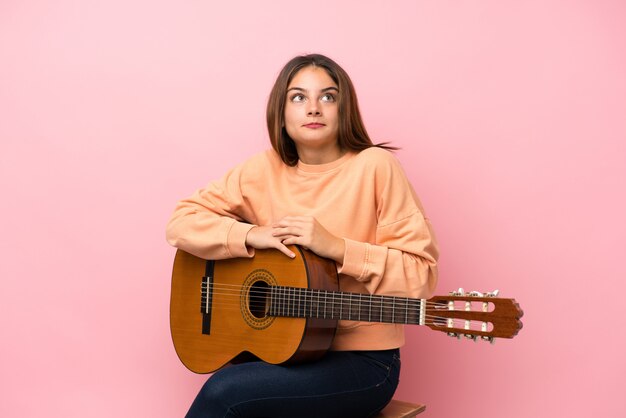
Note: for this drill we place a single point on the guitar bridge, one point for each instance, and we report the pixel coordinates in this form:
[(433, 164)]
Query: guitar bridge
[(206, 297)]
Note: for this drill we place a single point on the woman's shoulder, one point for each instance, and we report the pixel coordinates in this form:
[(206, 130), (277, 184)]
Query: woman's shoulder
[(261, 160), (378, 158)]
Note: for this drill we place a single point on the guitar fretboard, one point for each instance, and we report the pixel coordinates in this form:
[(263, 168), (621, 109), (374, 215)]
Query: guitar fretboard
[(311, 303)]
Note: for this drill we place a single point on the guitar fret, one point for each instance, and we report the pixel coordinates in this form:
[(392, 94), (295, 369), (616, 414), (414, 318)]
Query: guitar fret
[(340, 314), (350, 307), (317, 305), (406, 311), (403, 311), (416, 310), (271, 311), (285, 302), (325, 300), (276, 301), (309, 303), (296, 302), (340, 311)]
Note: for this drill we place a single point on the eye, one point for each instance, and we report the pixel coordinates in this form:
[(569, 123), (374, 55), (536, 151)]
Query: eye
[(297, 98), (328, 98)]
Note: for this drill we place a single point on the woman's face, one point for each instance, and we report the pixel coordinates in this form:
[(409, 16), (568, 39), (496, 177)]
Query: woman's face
[(312, 114)]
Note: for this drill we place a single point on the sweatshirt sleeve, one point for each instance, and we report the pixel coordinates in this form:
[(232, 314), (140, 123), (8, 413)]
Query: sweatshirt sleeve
[(212, 223), (403, 259)]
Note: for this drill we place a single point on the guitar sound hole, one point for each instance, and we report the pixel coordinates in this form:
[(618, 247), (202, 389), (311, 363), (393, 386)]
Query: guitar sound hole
[(258, 301)]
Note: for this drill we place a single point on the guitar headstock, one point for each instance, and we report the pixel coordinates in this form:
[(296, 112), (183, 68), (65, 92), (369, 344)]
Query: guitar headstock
[(474, 315)]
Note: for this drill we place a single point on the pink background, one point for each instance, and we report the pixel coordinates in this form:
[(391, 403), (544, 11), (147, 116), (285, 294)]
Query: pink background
[(511, 119)]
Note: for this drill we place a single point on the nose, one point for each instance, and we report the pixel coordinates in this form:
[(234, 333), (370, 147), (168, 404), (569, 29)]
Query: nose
[(313, 109)]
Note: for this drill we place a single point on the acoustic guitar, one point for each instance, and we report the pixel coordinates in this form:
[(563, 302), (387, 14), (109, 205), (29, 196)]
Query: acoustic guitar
[(282, 310)]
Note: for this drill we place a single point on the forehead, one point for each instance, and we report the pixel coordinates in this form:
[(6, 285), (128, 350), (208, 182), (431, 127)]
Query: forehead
[(312, 78)]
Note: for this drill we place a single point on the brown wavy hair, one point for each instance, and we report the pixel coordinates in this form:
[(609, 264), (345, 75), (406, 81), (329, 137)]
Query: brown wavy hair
[(352, 134)]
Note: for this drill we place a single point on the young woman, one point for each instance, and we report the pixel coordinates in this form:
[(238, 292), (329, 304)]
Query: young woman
[(327, 187)]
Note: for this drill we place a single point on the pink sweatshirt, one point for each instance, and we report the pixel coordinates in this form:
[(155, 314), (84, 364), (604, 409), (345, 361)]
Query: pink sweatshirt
[(362, 197)]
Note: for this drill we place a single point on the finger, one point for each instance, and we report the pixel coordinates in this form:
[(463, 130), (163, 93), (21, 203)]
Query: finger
[(283, 248), (291, 240), (301, 241), (283, 232)]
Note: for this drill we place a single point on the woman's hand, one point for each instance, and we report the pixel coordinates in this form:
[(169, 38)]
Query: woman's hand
[(261, 237), (309, 233)]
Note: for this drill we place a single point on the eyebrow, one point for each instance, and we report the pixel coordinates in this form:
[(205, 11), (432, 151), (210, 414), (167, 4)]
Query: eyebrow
[(305, 90)]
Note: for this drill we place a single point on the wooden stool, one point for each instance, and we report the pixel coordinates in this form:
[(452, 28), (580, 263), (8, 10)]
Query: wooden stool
[(400, 409)]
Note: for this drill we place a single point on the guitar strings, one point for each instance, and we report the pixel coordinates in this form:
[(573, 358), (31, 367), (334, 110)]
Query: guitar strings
[(400, 303), (296, 305), (442, 323), (258, 298), (288, 295), (235, 306)]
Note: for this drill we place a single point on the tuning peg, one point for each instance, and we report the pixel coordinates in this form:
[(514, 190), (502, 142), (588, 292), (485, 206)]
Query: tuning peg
[(490, 339), (493, 294), (475, 293), (470, 337), (454, 335), (459, 292)]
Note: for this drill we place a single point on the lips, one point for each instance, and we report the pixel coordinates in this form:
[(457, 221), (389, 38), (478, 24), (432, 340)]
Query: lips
[(314, 125)]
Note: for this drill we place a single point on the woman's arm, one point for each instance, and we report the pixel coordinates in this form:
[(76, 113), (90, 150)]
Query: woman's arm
[(213, 222), (218, 222), (402, 257)]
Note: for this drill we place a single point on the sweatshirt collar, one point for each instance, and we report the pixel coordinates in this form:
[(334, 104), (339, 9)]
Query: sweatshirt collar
[(322, 168)]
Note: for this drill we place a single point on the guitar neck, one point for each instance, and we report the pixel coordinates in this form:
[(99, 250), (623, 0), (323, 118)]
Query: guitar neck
[(298, 302)]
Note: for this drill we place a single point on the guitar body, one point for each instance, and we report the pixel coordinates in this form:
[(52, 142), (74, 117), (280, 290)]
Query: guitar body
[(226, 318)]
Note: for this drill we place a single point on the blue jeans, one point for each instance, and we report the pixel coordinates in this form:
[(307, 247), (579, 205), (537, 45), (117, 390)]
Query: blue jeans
[(346, 384)]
